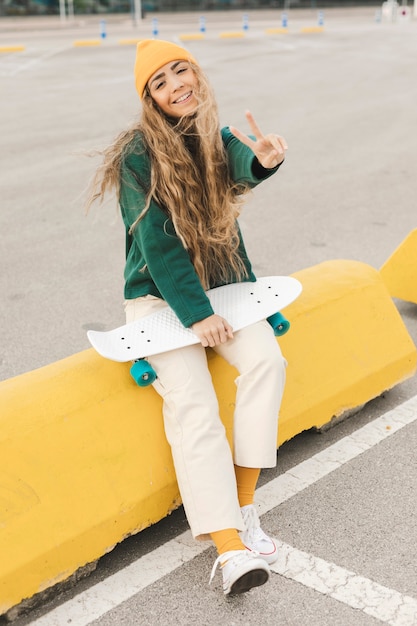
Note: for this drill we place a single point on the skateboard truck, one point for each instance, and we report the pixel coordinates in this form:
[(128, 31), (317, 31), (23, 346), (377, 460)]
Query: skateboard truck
[(144, 374)]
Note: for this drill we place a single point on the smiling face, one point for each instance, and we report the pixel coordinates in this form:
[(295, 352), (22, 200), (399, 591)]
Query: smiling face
[(173, 88)]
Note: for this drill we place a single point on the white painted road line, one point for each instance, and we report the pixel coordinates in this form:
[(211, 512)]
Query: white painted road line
[(102, 597), (386, 605), (347, 587), (323, 463)]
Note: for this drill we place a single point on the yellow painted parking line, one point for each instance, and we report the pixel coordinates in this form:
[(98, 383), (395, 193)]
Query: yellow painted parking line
[(12, 48), (312, 29), (231, 35), (192, 37), (87, 42)]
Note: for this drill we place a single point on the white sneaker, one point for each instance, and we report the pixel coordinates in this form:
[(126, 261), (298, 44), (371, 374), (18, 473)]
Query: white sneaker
[(254, 537), (241, 571)]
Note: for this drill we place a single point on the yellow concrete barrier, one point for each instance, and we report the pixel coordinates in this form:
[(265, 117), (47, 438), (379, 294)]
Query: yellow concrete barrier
[(399, 272), (83, 457), (340, 347), (83, 463)]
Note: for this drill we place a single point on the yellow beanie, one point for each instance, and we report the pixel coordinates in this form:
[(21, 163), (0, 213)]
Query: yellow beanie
[(151, 54)]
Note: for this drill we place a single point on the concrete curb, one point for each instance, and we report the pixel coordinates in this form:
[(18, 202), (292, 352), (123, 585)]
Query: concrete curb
[(83, 457)]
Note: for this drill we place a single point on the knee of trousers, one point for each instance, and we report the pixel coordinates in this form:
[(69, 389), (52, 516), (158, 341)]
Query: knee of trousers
[(191, 417), (190, 404), (268, 364), (255, 351)]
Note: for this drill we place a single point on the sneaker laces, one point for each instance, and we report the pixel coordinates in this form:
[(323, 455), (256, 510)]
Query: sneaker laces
[(253, 532), (226, 556)]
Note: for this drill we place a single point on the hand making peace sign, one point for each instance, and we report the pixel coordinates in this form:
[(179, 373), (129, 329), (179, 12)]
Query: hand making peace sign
[(268, 149)]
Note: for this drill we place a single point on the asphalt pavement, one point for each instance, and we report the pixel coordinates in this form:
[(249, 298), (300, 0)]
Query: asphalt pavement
[(345, 100)]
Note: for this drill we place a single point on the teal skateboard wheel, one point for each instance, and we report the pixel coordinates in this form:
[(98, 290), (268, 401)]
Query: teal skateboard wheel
[(142, 373), (279, 324)]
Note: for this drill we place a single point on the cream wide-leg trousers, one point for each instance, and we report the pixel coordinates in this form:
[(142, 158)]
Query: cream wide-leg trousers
[(203, 460)]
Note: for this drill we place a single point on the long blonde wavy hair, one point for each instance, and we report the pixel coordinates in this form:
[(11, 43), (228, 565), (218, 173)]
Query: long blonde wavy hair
[(190, 180)]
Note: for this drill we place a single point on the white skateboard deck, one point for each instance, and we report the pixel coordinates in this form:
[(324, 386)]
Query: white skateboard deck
[(241, 304)]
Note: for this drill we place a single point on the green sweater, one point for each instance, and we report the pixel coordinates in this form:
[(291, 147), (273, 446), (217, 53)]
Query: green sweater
[(156, 261)]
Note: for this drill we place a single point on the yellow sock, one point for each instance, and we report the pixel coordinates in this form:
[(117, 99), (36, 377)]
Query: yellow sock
[(227, 539), (246, 480)]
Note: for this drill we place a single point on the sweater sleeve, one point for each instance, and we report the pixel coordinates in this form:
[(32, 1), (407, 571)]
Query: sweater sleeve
[(170, 267), (244, 166), (163, 258)]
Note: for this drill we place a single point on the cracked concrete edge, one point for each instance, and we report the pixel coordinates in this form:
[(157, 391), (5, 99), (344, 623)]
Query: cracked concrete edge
[(52, 592)]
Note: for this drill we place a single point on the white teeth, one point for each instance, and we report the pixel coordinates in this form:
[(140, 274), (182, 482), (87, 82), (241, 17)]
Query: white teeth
[(183, 97)]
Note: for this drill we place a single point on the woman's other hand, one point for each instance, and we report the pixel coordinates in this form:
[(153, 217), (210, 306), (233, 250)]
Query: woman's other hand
[(212, 331)]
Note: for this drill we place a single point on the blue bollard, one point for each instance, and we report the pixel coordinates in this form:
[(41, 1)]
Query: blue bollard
[(202, 24), (284, 20), (103, 33), (155, 31), (321, 18), (245, 22)]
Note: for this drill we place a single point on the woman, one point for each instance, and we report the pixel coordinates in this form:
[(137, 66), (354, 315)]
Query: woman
[(180, 182)]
